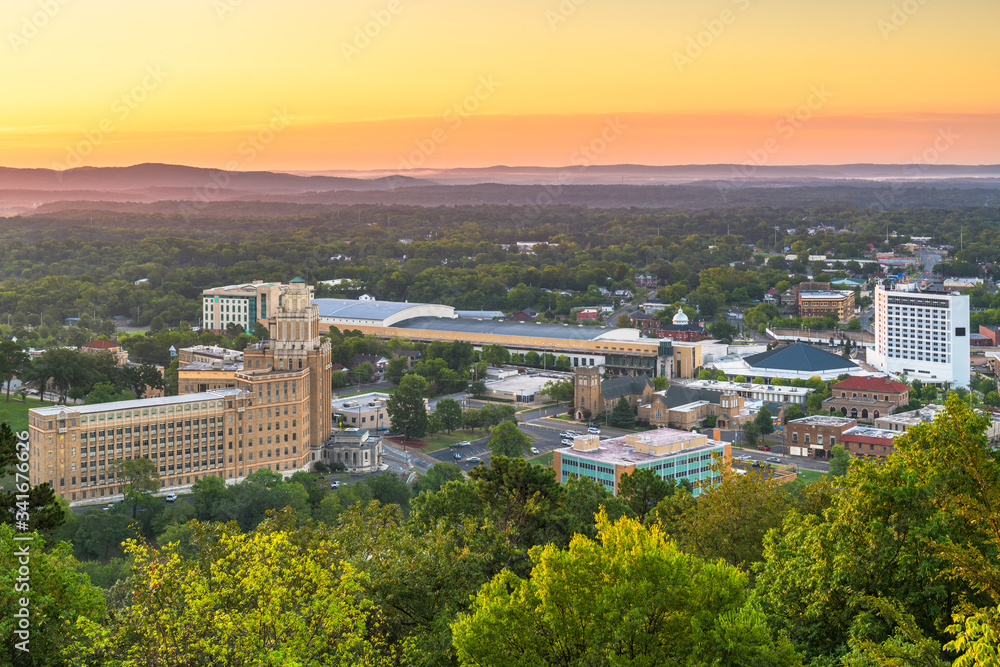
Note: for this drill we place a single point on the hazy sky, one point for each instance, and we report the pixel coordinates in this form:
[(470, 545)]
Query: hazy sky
[(380, 84)]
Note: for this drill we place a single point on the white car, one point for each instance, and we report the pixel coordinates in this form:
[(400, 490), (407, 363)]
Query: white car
[(742, 457), (594, 430), (334, 484), (534, 450), (171, 497), (463, 443), (567, 434), (567, 441)]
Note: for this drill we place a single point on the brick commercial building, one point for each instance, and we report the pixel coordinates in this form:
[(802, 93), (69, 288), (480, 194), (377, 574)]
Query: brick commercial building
[(670, 454), (277, 417), (868, 441), (821, 303), (816, 435), (866, 398)]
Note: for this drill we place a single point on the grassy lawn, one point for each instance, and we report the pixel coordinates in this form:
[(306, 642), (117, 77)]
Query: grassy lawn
[(432, 443), (542, 460), (16, 413), (563, 416), (810, 476)]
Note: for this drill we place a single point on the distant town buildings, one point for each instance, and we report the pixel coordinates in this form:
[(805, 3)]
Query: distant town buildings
[(815, 436), (866, 398)]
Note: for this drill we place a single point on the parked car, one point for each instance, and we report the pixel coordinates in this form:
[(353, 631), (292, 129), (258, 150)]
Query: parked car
[(764, 448), (742, 457), (567, 441), (474, 459), (773, 459), (457, 456), (534, 450), (568, 434), (171, 497), (463, 443), (594, 430), (334, 484)]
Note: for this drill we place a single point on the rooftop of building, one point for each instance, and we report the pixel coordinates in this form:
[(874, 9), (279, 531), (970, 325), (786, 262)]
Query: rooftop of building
[(871, 384), (523, 383), (615, 451), (870, 432), (214, 395), (800, 357), (212, 366), (369, 400), (924, 414), (719, 385), (390, 313), (248, 287), (818, 294), (575, 332), (822, 420)]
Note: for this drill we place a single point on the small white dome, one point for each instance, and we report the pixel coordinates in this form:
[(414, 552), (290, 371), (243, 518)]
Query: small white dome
[(680, 317)]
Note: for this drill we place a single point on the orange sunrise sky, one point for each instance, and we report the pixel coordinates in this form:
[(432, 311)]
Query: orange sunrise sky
[(392, 84)]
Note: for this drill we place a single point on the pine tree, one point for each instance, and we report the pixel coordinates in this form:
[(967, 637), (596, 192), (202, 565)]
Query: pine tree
[(622, 415)]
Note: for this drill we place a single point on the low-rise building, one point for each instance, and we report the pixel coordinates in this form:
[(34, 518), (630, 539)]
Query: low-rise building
[(359, 450), (684, 408), (904, 421), (816, 435), (521, 389), (767, 393), (868, 441), (670, 454), (593, 395), (866, 398), (366, 411)]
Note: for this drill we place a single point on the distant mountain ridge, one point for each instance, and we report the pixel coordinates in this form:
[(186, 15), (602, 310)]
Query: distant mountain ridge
[(153, 175), (637, 174)]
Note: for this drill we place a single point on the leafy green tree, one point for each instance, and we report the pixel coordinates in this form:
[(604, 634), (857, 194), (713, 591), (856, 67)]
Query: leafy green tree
[(751, 434), (495, 355), (437, 476), (909, 520), (449, 411), (389, 489), (560, 391), (719, 375), (100, 534), (992, 399), (506, 439), (407, 413), (279, 594), (140, 478), (660, 383), (13, 362), (731, 520), (629, 597), (106, 392), (840, 460), (396, 369), (623, 321), (764, 421), (208, 493), (57, 596), (705, 374), (642, 490), (622, 415), (793, 412)]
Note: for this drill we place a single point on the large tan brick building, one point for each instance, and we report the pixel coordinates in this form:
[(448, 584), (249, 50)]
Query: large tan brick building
[(277, 417), (820, 303)]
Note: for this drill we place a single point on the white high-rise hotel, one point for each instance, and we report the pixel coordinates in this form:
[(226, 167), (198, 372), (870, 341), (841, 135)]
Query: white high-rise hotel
[(922, 335)]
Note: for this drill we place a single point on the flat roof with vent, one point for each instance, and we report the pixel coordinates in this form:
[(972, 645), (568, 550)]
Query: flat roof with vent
[(631, 449)]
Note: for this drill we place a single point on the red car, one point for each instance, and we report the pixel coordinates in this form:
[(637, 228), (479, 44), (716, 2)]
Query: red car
[(764, 448)]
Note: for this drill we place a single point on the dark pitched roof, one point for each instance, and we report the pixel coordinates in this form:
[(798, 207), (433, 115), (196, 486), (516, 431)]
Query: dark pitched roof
[(799, 357), (624, 385), (676, 395)]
